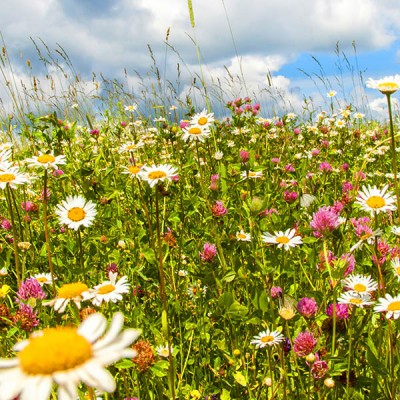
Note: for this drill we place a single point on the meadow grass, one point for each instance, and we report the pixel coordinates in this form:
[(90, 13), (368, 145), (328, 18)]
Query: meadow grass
[(257, 252)]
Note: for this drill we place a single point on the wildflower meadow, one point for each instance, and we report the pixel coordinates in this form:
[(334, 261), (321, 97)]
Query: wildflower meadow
[(190, 254)]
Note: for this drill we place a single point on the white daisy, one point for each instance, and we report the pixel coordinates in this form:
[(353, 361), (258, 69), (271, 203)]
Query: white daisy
[(110, 290), (157, 173), (163, 351), (355, 299), (43, 279), (367, 238), (202, 119), (46, 161), (130, 147), (195, 291), (195, 132), (359, 284), (285, 239), (267, 338), (373, 200), (390, 305), (5, 155), (395, 230), (66, 356), (131, 108), (386, 85), (76, 292), (75, 212), (251, 174), (395, 264), (11, 176), (133, 170), (331, 93), (242, 236)]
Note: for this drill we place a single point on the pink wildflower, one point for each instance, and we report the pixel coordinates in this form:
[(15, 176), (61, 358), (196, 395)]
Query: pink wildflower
[(276, 292), (289, 168), (218, 209), (325, 167), (342, 311), (290, 197), (319, 368), (30, 289), (209, 252), (304, 344), (244, 156), (28, 206), (307, 307), (324, 221), (6, 224)]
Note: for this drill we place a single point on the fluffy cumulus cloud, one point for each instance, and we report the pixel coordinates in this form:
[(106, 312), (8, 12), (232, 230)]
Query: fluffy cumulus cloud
[(234, 38)]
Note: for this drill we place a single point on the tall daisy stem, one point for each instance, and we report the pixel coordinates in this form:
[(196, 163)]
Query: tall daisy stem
[(393, 147), (14, 231), (81, 260), (165, 320), (46, 233)]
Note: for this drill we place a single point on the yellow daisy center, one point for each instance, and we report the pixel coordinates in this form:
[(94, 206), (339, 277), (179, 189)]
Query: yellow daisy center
[(76, 214), (164, 353), (195, 131), (46, 158), (267, 339), (282, 239), (157, 175), (41, 279), (388, 87), (241, 236), (7, 177), (394, 306), (133, 169), (71, 290), (131, 147), (398, 270), (359, 287), (106, 289), (376, 202), (355, 301), (202, 120), (58, 349), (252, 173)]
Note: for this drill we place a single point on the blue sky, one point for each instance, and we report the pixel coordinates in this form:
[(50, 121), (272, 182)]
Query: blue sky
[(275, 38)]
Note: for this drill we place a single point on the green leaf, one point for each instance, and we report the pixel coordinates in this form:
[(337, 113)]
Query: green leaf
[(237, 310), (240, 379), (225, 395), (124, 364)]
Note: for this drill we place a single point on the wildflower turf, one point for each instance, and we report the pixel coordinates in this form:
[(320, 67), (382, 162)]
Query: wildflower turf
[(257, 255)]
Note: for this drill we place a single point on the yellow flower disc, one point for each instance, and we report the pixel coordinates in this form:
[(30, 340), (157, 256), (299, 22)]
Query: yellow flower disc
[(46, 158), (76, 214)]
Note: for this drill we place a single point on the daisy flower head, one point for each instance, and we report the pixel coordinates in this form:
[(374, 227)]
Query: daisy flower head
[(46, 161), (11, 176), (267, 338), (164, 351), (132, 170), (130, 147), (195, 132), (43, 279), (251, 174), (110, 290), (157, 173), (373, 200), (395, 264), (395, 230), (356, 299), (75, 212), (76, 292), (386, 85), (242, 236), (359, 284), (202, 119), (390, 305), (67, 356), (331, 93), (131, 108), (285, 239)]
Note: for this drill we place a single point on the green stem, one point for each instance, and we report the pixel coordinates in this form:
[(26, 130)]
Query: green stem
[(46, 233), (164, 296), (81, 260), (14, 231), (393, 147)]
